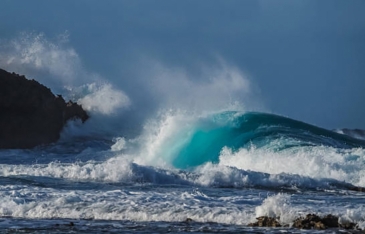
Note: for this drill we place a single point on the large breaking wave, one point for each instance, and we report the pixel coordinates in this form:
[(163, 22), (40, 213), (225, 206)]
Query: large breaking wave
[(247, 142), (205, 138), (201, 128)]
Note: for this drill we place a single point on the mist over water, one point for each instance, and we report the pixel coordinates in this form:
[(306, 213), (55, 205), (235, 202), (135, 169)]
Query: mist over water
[(155, 89)]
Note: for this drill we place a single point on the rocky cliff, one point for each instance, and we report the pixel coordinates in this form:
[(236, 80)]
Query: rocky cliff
[(30, 114)]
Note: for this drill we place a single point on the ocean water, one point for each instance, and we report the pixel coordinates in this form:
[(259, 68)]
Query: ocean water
[(183, 172), (166, 152)]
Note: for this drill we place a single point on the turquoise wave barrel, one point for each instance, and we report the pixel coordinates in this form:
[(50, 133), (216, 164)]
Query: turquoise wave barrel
[(236, 130)]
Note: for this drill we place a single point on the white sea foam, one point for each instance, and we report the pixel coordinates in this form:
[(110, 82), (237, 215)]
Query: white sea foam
[(310, 161), (173, 206), (277, 206), (119, 144), (122, 169), (224, 176), (116, 169), (355, 215), (163, 137)]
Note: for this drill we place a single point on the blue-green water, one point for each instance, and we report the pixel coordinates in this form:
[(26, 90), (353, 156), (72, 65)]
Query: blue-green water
[(236, 130)]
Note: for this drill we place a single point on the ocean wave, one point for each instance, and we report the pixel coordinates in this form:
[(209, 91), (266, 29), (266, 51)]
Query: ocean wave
[(121, 170), (251, 141), (355, 133)]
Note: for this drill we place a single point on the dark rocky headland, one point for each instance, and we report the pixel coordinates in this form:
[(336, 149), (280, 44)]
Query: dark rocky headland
[(30, 114)]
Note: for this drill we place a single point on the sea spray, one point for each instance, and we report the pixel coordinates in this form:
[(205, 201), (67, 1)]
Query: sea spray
[(277, 206)]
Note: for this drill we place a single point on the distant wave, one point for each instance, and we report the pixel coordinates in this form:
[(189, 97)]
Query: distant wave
[(355, 133)]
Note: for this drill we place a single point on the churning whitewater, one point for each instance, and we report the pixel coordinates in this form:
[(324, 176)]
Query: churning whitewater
[(198, 163)]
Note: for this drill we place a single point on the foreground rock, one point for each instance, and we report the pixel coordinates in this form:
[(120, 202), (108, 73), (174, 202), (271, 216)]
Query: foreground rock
[(30, 114), (314, 221), (310, 221), (265, 221)]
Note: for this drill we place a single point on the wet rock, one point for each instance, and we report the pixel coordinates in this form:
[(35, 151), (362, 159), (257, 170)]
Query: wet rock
[(311, 221), (308, 222), (330, 221), (348, 225), (357, 189), (319, 225), (188, 220), (30, 114), (265, 221)]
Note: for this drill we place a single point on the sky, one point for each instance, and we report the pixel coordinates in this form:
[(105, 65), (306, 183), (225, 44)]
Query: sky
[(304, 59)]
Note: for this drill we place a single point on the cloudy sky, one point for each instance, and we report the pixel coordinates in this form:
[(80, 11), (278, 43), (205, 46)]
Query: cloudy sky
[(304, 59)]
